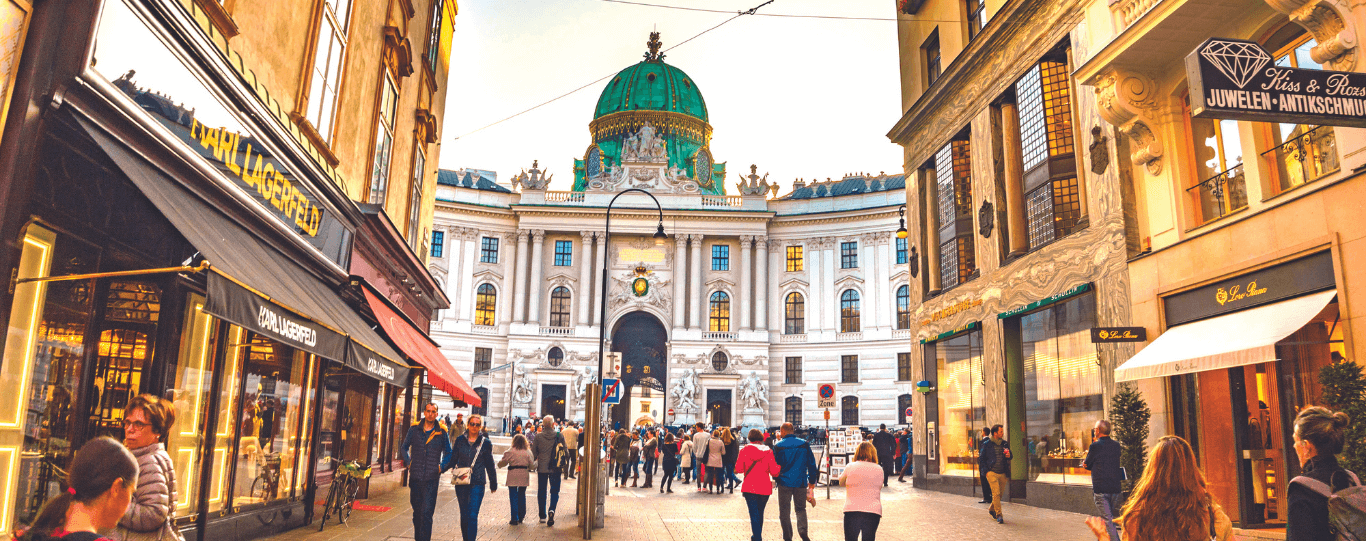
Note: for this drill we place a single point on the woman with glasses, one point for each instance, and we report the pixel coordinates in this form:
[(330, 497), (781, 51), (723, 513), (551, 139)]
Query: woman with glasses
[(146, 423), (473, 451)]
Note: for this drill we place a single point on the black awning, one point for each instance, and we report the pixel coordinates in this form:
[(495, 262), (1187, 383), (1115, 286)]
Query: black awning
[(254, 285)]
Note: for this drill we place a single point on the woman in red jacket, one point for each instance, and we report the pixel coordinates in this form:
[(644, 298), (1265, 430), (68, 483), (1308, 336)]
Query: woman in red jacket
[(756, 461)]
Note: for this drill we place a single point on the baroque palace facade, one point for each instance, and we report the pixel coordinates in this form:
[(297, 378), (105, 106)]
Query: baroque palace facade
[(752, 300)]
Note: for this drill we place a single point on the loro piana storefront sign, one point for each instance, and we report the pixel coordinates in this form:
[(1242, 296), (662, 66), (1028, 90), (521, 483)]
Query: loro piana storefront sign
[(1110, 335), (1238, 79), (1292, 279)]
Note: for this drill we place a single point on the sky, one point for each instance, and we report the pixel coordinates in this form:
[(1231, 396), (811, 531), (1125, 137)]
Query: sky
[(799, 97)]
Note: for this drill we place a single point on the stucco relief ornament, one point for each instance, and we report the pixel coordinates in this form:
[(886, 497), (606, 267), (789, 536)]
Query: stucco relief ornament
[(626, 290), (645, 146), (986, 217), (914, 259), (1099, 150), (754, 392), (522, 392), (531, 180)]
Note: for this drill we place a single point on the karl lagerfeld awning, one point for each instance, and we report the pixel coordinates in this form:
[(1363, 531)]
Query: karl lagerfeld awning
[(255, 286), (420, 348), (1233, 339)]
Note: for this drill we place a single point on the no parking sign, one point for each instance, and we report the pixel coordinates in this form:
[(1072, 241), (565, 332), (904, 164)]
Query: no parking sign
[(825, 396)]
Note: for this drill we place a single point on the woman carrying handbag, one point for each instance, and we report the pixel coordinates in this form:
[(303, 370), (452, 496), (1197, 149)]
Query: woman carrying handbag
[(472, 458), (757, 463)]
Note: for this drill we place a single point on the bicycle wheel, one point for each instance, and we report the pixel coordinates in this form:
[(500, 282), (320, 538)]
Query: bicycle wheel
[(349, 499), (332, 496)]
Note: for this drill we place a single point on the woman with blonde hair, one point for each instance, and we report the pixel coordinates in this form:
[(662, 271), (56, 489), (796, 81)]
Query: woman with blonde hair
[(1171, 501), (716, 451), (518, 460), (862, 482)]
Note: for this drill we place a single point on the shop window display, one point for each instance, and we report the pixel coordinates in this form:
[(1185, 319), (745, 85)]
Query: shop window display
[(225, 430), (1061, 389), (961, 400), (269, 420), (191, 392)]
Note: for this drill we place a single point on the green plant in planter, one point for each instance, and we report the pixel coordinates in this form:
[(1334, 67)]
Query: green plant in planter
[(1344, 389), (1129, 416)]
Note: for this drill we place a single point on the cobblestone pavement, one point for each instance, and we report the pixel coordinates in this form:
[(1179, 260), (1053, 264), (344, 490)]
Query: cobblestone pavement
[(638, 514)]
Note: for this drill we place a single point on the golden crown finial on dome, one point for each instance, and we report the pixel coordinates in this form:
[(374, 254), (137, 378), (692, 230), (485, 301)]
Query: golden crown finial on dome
[(653, 55)]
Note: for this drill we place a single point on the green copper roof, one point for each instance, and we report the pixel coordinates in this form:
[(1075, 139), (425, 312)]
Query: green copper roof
[(652, 85)]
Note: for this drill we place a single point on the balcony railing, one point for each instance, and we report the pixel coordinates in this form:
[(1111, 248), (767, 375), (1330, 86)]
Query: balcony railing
[(1128, 11), (1221, 194), (722, 201), (557, 331), (792, 339), (564, 197), (849, 337), (716, 336), (1305, 158), (484, 329), (901, 334)]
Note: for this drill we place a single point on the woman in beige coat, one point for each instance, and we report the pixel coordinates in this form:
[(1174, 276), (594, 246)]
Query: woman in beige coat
[(518, 460), (716, 450)]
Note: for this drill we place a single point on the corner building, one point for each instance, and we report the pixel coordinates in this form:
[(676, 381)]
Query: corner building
[(1018, 240), (752, 301)]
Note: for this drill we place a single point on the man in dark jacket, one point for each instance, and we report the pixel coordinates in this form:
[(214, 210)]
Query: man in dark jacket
[(796, 482), (547, 470), (425, 449), (621, 455), (885, 444), (996, 460), (1103, 461), (981, 469)]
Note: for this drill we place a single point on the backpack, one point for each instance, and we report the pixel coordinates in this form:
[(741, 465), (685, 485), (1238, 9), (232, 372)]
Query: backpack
[(561, 462), (1346, 507)]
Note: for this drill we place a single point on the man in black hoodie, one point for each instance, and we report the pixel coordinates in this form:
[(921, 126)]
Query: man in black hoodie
[(1103, 461)]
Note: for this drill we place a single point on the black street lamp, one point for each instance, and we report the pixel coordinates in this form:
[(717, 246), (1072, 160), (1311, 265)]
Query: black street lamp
[(901, 232), (592, 455)]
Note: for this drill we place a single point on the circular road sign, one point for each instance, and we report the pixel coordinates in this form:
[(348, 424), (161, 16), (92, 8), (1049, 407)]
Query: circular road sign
[(826, 390)]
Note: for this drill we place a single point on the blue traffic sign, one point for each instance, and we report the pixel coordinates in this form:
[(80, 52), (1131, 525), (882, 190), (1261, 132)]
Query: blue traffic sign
[(611, 391)]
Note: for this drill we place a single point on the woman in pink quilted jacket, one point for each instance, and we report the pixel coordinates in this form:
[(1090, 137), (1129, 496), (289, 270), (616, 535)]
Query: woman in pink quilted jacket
[(146, 422), (756, 463)]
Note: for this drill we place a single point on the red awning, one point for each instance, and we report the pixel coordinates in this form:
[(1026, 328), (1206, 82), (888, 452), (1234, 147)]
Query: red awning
[(420, 348)]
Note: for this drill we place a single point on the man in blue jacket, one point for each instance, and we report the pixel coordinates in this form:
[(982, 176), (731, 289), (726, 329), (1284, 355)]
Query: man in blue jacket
[(425, 449), (797, 482)]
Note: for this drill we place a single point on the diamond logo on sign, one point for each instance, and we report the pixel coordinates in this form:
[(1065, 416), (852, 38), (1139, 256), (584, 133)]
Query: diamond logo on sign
[(1236, 60)]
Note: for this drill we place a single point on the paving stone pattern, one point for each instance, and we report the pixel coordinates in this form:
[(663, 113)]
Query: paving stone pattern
[(638, 514)]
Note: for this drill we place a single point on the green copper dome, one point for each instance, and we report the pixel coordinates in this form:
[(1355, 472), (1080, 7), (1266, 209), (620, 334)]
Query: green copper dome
[(652, 85)]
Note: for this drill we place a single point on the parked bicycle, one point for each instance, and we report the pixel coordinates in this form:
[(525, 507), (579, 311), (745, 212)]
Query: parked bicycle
[(342, 494)]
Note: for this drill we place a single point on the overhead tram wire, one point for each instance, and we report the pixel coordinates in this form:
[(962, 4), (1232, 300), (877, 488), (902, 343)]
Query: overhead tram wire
[(789, 15), (751, 11)]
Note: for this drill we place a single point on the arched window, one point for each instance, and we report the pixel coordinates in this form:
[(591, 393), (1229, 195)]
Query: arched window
[(795, 314), (719, 361), (720, 312), (792, 410), (903, 403), (849, 411), (554, 357), (485, 305), (559, 307), (903, 307), (849, 320)]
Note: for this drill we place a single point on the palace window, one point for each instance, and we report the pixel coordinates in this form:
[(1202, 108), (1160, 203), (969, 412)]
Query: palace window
[(720, 257), (564, 253), (327, 66), (554, 357), (438, 243), (792, 410), (485, 305), (903, 307), (719, 361), (488, 250), (720, 312), (849, 411), (848, 368), (932, 57), (483, 360), (792, 368), (1220, 187), (559, 307), (849, 255), (1052, 195), (903, 367), (900, 251), (953, 180), (976, 18), (849, 311), (384, 141), (794, 259), (1301, 153), (794, 317), (415, 196)]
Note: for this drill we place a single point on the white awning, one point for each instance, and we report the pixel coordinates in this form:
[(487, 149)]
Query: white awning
[(1236, 339)]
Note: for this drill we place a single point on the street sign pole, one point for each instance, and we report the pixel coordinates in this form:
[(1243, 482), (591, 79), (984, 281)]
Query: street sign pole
[(829, 462)]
